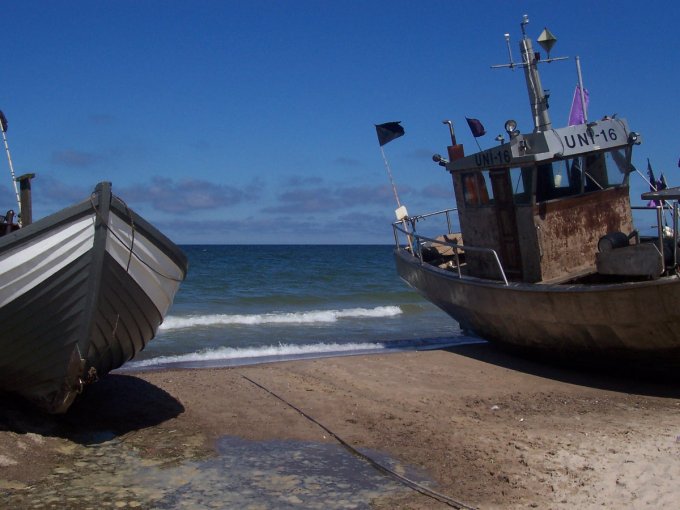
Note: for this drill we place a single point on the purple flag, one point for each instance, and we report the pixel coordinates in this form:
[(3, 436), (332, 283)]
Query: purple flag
[(476, 127), (576, 114)]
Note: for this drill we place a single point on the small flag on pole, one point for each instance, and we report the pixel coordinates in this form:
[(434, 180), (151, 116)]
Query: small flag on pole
[(476, 127), (576, 113), (388, 131), (655, 185), (650, 174), (3, 121)]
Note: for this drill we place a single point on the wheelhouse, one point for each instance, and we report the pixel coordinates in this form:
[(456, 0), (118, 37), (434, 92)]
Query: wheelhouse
[(544, 200)]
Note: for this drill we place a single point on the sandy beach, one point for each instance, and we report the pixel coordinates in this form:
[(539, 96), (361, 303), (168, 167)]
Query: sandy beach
[(479, 426)]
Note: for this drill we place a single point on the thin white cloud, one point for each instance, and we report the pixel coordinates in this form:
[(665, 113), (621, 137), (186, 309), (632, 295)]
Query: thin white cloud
[(75, 158), (165, 194)]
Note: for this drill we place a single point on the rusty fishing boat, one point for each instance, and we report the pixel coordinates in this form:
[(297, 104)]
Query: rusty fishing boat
[(548, 259), (81, 292)]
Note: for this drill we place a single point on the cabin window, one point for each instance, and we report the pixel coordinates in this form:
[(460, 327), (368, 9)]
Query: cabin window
[(618, 166), (579, 181), (557, 180), (477, 189), (572, 168), (597, 171), (580, 175), (596, 177)]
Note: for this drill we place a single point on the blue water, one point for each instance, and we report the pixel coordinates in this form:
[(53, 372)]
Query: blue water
[(244, 304)]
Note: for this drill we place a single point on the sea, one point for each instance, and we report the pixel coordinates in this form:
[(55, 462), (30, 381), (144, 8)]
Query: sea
[(263, 303)]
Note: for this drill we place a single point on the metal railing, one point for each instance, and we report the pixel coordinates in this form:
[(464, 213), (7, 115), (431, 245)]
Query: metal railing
[(413, 238)]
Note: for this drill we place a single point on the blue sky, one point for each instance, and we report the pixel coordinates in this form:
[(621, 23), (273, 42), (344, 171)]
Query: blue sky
[(253, 121)]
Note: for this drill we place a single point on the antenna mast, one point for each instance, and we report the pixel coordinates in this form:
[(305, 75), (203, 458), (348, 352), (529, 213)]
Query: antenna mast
[(538, 98)]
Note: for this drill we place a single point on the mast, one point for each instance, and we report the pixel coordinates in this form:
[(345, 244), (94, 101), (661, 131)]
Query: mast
[(537, 97)]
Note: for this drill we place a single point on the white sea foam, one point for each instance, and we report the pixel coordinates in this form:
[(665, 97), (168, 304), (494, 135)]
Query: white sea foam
[(268, 351), (312, 316), (232, 356)]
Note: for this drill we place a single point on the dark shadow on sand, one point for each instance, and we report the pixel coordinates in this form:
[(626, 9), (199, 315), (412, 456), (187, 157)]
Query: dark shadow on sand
[(612, 377), (114, 406)]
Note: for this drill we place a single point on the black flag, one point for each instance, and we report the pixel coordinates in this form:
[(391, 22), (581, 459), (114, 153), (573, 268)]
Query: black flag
[(476, 127), (388, 132), (3, 121), (653, 183)]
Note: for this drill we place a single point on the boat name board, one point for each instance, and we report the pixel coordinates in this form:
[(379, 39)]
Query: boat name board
[(603, 135), (561, 143), (494, 157)]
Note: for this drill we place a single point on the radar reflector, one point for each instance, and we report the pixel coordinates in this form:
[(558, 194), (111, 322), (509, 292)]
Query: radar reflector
[(547, 40)]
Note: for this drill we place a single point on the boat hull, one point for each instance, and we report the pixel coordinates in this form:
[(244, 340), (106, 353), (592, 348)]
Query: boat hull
[(587, 323), (81, 292)]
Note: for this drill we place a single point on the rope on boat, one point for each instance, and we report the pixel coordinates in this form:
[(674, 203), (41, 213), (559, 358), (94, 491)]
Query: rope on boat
[(132, 233), (130, 248), (442, 498)]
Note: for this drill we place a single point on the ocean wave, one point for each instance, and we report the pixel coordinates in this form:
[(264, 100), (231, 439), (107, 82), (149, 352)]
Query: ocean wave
[(231, 356), (313, 316), (231, 353)]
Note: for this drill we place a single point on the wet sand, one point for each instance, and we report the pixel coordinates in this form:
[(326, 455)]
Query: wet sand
[(482, 427)]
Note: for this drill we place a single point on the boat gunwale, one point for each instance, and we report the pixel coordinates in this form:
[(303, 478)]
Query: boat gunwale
[(44, 225), (532, 287), (155, 236), (90, 205)]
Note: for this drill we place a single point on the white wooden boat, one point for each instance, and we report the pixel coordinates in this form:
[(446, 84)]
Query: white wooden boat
[(81, 292)]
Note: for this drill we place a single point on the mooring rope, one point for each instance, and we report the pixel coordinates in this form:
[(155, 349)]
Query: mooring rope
[(442, 498)]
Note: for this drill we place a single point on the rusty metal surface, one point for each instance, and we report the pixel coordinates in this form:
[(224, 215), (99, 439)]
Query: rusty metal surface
[(569, 229), (592, 320)]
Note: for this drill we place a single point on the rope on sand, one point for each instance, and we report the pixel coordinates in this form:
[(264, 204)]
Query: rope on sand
[(442, 498)]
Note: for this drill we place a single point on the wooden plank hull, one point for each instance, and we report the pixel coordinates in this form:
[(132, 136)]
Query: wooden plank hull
[(81, 292), (629, 322)]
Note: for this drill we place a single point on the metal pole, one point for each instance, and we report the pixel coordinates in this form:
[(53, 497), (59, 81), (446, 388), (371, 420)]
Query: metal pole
[(389, 174), (675, 235), (659, 222), (507, 41), (11, 170), (396, 195), (453, 135), (580, 87), (539, 109)]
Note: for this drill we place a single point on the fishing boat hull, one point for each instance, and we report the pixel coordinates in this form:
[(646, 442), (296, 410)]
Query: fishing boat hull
[(81, 292), (633, 322)]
